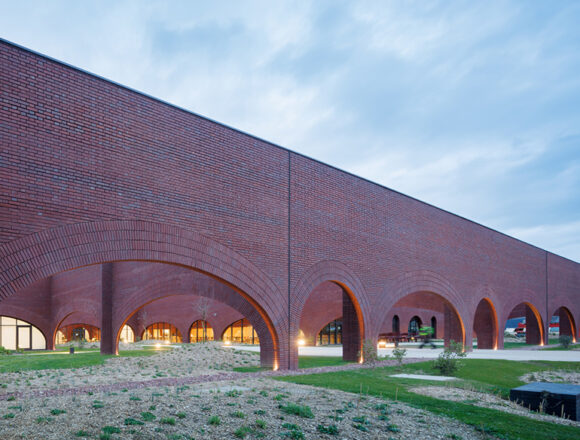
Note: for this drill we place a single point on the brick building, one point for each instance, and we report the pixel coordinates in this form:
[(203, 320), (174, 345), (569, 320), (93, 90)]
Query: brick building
[(119, 211)]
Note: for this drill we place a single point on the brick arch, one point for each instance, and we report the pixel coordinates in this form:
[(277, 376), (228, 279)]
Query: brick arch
[(567, 326), (412, 282), (56, 250), (485, 324), (138, 300), (339, 274), (532, 311)]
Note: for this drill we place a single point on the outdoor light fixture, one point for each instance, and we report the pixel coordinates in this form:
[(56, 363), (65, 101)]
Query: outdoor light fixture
[(158, 346), (301, 342)]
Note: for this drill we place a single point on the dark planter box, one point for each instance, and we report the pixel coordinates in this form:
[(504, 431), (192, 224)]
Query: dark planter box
[(559, 399)]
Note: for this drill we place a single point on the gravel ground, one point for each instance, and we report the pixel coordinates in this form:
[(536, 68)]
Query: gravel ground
[(191, 393), (260, 407)]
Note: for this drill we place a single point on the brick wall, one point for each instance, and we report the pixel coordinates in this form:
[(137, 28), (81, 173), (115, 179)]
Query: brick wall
[(94, 172)]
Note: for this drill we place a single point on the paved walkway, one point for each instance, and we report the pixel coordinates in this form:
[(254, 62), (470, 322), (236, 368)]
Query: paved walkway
[(429, 353)]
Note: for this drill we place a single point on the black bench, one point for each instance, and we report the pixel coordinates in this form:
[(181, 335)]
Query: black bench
[(560, 399)]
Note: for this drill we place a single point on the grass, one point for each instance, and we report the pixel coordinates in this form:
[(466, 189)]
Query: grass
[(489, 375), (62, 360)]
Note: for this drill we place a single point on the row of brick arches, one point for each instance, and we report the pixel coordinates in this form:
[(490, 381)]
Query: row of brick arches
[(139, 292)]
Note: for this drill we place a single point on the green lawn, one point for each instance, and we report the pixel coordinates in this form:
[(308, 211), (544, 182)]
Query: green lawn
[(57, 360), (489, 375)]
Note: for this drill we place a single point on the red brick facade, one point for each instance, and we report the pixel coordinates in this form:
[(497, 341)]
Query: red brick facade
[(98, 179)]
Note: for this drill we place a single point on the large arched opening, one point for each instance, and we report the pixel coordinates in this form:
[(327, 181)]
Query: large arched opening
[(562, 324), (109, 243), (327, 291), (424, 308), (485, 326), (528, 324)]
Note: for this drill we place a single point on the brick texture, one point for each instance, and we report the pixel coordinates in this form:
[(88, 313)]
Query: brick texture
[(94, 173)]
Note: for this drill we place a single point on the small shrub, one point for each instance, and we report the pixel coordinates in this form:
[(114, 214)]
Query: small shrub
[(181, 415), (291, 426), (56, 412), (234, 393), (448, 361), (135, 398), (331, 429), (242, 431), (565, 340), (147, 416), (8, 416), (261, 424), (259, 412), (81, 433), (297, 410), (132, 421), (399, 354), (98, 404), (293, 434), (111, 430), (167, 421), (214, 420), (393, 428)]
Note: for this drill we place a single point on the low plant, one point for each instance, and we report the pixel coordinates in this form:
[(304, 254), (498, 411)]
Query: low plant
[(111, 430), (82, 433), (565, 341), (214, 420), (238, 415), (167, 421), (242, 431), (330, 429), (56, 411), (297, 410), (4, 351), (399, 354), (449, 361), (132, 421), (147, 416), (261, 424)]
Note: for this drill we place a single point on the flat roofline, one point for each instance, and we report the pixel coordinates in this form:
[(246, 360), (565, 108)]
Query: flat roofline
[(161, 101)]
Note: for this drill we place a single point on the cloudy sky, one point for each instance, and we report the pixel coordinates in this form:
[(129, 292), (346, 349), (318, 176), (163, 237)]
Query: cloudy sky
[(471, 106)]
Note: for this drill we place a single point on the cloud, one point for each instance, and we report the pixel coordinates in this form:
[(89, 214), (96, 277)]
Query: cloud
[(471, 107)]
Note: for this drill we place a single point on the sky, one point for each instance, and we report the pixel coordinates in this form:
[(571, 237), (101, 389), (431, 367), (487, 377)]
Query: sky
[(472, 106)]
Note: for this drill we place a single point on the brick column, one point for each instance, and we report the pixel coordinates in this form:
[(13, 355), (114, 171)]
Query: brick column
[(351, 342), (565, 323), (533, 334), (108, 343), (452, 326), (484, 326)]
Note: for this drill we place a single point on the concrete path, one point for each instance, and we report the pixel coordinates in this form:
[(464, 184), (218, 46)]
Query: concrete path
[(429, 353)]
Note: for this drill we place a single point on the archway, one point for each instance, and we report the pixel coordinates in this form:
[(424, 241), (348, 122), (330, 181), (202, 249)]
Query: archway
[(127, 334), (530, 327), (421, 307), (485, 325), (415, 324), (65, 248), (562, 323), (425, 294), (348, 296), (79, 331), (396, 325)]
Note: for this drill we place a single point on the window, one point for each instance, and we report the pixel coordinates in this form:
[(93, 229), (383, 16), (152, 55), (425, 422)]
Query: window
[(331, 334), (17, 334), (241, 332), (200, 331), (162, 331)]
